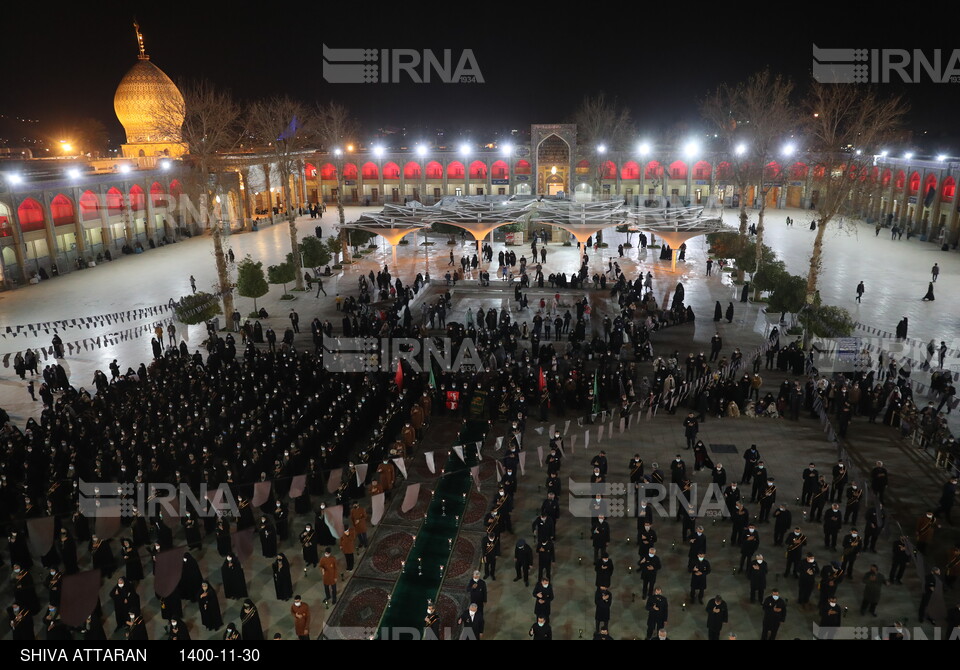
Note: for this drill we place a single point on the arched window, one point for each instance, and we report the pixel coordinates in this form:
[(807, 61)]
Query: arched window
[(914, 183), (819, 171), (61, 211), (653, 170), (900, 180), (583, 167), (772, 170), (114, 202), (30, 214), (630, 170), (522, 167), (499, 170), (5, 230), (701, 170), (949, 189), (478, 170), (89, 206), (309, 171), (391, 171), (176, 188), (455, 170), (678, 170), (411, 170), (369, 171), (608, 170), (328, 172), (158, 196), (929, 182), (724, 171), (138, 200), (434, 170), (799, 171), (887, 176), (350, 171)]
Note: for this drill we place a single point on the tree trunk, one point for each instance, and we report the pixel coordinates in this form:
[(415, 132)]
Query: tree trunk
[(224, 285), (294, 242), (815, 260), (760, 213), (743, 216)]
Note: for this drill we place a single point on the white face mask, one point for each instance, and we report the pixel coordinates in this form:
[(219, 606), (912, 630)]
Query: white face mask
[(759, 560), (776, 597)]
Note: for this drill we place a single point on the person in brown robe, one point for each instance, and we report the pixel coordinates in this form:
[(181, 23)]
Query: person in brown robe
[(301, 618)]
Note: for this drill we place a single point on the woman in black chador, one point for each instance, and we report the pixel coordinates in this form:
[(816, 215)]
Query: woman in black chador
[(281, 578), (209, 607), (234, 583), (131, 560), (929, 295), (250, 621), (717, 311)]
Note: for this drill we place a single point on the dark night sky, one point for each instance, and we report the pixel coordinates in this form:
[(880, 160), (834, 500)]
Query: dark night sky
[(66, 64)]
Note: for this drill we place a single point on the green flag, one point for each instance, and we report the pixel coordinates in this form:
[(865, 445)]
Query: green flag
[(432, 383)]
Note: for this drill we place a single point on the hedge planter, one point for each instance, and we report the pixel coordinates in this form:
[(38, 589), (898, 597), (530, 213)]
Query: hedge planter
[(287, 296)]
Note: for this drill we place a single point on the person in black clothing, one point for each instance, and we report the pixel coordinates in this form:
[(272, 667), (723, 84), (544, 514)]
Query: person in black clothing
[(523, 560)]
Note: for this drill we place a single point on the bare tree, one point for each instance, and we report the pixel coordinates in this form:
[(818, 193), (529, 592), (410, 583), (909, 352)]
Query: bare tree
[(335, 129), (601, 121), (847, 125), (207, 120), (278, 124), (720, 110), (763, 102)]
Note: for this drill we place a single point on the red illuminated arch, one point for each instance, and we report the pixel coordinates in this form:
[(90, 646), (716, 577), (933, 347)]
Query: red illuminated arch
[(799, 171), (819, 171), (158, 195), (176, 188), (949, 189), (874, 175), (678, 170), (350, 171), (391, 171), (455, 170), (478, 170), (89, 206), (328, 172), (411, 170), (309, 171), (522, 167), (653, 170), (61, 211), (369, 171), (138, 199), (630, 170), (114, 201), (434, 170), (887, 176), (608, 170), (914, 183), (929, 182), (724, 171), (499, 170), (772, 170), (900, 180), (30, 214), (701, 170)]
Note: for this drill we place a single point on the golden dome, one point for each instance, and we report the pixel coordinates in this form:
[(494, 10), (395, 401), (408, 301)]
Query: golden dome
[(149, 105)]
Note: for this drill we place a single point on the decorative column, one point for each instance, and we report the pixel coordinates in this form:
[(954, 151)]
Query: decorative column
[(106, 233)]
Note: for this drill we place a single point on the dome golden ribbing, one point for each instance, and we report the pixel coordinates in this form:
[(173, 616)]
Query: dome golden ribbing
[(146, 95)]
